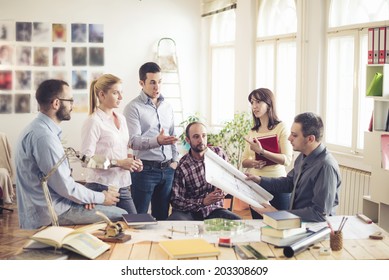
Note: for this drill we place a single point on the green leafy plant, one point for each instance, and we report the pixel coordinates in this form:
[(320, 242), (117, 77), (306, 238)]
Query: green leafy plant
[(230, 138)]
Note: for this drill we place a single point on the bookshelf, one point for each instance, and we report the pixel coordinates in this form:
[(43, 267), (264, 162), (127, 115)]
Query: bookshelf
[(376, 206)]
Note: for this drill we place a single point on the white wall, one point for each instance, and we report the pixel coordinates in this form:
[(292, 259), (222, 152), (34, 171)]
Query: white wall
[(132, 29)]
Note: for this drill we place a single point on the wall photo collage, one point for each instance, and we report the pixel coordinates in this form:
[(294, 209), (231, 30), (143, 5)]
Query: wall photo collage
[(31, 52)]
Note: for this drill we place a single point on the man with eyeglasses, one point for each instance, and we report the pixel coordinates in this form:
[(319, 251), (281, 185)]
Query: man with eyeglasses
[(39, 148)]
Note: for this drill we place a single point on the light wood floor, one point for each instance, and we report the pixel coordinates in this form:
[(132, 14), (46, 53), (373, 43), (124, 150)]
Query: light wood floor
[(12, 238)]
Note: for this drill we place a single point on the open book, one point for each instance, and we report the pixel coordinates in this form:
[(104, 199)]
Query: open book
[(80, 240), (226, 177)]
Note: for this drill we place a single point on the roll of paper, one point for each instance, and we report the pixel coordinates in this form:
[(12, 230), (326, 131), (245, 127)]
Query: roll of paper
[(301, 245)]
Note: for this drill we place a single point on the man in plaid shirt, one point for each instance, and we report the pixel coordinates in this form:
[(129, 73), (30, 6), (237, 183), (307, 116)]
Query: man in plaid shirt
[(193, 198)]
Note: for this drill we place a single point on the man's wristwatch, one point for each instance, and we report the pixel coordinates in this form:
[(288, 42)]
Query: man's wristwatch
[(114, 163)]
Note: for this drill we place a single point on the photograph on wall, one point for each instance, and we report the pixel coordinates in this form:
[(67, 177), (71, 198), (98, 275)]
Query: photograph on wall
[(79, 79), (41, 56), (23, 55), (59, 32), (6, 54), (79, 56), (7, 31), (23, 31), (41, 32), (5, 103), (23, 80), (78, 33), (80, 104), (22, 103), (5, 79), (95, 75), (39, 77), (96, 33), (60, 75), (96, 56), (59, 56)]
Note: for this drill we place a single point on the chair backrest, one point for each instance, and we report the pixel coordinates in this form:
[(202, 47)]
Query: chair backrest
[(5, 154)]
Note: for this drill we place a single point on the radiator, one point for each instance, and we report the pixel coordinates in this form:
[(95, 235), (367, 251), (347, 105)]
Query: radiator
[(355, 185)]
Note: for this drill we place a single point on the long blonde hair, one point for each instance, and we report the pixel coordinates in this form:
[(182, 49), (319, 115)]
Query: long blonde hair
[(103, 83)]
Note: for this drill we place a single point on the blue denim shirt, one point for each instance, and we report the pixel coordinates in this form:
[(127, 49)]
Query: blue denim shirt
[(38, 149), (145, 121)]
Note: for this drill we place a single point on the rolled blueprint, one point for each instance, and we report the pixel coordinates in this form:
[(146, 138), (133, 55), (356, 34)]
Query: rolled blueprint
[(301, 245), (223, 175)]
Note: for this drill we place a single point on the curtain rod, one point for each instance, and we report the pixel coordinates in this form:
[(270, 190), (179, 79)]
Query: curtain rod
[(233, 6)]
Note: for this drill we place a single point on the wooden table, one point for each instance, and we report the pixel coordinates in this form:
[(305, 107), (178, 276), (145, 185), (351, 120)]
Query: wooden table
[(356, 246)]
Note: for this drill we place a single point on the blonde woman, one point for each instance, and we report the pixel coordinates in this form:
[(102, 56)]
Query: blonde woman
[(266, 123), (105, 133)]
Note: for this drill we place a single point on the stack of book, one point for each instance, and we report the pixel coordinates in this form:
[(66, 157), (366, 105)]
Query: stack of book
[(282, 228)]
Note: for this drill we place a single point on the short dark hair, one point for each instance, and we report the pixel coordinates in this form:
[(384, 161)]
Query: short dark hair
[(311, 124), (148, 67), (189, 126), (48, 90)]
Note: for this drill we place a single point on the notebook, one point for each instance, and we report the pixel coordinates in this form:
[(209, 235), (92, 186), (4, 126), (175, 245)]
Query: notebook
[(139, 219), (189, 248), (269, 143)]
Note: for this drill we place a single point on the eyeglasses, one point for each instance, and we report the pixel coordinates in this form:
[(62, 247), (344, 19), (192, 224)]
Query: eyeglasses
[(71, 100)]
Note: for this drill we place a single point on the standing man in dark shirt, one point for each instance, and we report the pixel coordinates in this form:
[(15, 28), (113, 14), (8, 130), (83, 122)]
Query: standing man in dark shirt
[(150, 122)]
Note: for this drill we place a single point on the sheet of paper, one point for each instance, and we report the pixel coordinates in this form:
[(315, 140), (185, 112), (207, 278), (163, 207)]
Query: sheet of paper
[(223, 175)]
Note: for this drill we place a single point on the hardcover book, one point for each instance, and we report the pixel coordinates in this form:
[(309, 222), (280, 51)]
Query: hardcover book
[(76, 240), (189, 248), (269, 143), (139, 219), (282, 242), (282, 220), (282, 233)]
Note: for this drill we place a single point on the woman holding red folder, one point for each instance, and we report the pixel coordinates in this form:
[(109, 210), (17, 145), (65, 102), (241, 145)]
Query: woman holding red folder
[(275, 153)]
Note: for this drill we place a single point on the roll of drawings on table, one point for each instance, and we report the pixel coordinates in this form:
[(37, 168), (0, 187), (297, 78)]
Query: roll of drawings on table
[(301, 245)]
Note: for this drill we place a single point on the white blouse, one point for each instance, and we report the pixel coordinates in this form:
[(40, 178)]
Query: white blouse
[(100, 136)]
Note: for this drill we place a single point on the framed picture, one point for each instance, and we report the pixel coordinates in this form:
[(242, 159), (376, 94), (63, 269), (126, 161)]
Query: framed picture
[(22, 103), (23, 31), (96, 56), (78, 33), (96, 33), (5, 103)]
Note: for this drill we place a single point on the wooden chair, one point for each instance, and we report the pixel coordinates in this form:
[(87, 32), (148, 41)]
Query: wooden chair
[(6, 172)]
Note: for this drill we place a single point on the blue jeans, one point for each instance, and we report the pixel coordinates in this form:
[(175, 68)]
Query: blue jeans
[(152, 185), (280, 202), (125, 198), (78, 215)]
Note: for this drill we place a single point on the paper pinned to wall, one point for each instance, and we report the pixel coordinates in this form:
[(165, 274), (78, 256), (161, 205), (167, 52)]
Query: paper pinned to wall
[(223, 175)]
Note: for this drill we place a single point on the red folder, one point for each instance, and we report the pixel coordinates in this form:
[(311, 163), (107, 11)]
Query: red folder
[(376, 45), (269, 143), (382, 50), (370, 47), (387, 45)]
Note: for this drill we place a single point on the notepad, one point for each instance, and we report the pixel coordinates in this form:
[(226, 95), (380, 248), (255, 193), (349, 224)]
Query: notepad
[(189, 248)]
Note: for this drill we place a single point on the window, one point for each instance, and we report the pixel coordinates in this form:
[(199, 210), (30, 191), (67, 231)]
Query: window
[(276, 54), (222, 37), (348, 112)]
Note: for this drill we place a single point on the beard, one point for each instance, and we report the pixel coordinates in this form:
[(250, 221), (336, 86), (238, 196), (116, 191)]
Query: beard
[(63, 114), (199, 148)]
